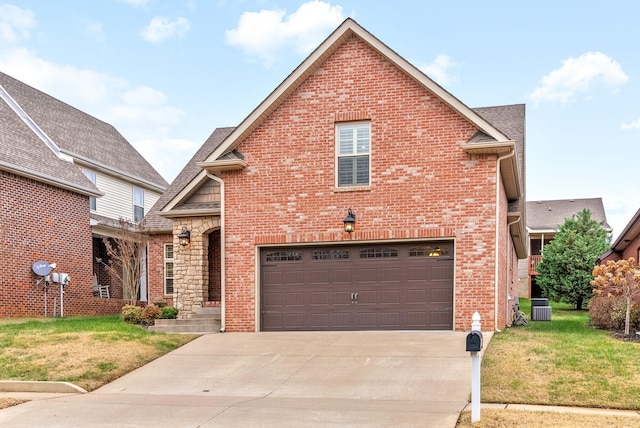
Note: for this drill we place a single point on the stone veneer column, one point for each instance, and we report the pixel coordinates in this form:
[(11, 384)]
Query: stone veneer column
[(191, 265)]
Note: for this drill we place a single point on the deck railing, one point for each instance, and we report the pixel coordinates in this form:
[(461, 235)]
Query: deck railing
[(533, 264)]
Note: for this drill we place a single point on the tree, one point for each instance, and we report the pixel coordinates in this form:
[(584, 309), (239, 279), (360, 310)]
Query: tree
[(619, 278), (124, 251), (565, 272)]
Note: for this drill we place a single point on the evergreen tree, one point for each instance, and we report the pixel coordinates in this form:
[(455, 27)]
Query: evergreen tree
[(565, 272)]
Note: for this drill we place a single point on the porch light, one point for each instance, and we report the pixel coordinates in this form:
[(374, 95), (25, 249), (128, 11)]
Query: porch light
[(349, 221), (184, 237)]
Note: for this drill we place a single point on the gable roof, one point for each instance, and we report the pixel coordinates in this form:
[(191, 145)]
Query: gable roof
[(23, 153), (494, 141), (347, 29), (153, 222), (628, 234), (89, 141), (549, 215)]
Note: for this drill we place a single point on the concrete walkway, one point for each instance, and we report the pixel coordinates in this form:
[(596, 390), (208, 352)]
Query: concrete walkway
[(373, 379)]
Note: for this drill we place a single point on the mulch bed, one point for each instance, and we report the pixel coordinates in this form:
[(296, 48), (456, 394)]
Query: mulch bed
[(631, 337)]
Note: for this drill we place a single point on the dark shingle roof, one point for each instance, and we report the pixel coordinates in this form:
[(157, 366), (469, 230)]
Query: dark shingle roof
[(80, 135), (23, 153), (549, 215), (510, 120), (154, 222)]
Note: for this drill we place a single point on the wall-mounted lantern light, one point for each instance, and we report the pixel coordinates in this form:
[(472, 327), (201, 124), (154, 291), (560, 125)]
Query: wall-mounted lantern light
[(184, 237), (349, 221)]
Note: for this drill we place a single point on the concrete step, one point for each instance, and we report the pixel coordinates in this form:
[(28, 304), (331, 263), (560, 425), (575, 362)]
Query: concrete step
[(199, 323)]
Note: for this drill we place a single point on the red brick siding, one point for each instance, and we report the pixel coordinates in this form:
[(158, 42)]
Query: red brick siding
[(155, 270), (423, 183), (43, 222)]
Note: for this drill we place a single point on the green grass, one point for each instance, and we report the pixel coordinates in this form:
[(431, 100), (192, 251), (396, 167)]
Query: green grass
[(561, 362), (88, 351)]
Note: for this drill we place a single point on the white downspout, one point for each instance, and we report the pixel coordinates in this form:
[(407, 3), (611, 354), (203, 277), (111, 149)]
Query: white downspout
[(222, 253), (511, 153)]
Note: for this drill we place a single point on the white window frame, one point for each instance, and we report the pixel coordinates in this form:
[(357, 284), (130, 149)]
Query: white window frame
[(139, 191), (92, 178), (358, 149), (168, 260)]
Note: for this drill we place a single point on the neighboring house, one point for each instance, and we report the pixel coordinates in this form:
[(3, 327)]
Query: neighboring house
[(436, 189), (67, 179), (627, 244), (544, 218)]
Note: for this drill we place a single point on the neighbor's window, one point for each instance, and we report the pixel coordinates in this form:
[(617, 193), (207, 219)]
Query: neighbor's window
[(92, 178), (354, 145), (138, 204), (168, 268)]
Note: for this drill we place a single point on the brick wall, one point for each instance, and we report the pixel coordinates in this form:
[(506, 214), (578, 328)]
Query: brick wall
[(423, 183), (155, 268), (43, 222)]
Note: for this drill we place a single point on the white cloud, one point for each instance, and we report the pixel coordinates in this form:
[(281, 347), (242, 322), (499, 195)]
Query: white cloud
[(631, 125), (15, 23), (161, 28), (263, 35), (439, 69), (579, 75), (167, 155)]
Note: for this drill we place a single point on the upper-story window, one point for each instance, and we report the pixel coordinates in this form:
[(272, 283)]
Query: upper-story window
[(138, 204), (92, 177), (353, 153)]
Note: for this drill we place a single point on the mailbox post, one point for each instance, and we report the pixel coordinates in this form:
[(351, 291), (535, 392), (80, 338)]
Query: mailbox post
[(474, 346)]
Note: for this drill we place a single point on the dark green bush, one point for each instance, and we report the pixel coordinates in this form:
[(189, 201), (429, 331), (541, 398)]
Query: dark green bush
[(169, 313), (131, 314)]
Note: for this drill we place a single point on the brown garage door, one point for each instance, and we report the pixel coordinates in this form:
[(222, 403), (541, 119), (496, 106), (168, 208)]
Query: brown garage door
[(364, 287)]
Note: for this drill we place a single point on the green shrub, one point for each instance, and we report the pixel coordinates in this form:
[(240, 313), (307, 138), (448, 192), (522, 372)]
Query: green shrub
[(169, 313), (160, 304), (150, 314), (131, 314)]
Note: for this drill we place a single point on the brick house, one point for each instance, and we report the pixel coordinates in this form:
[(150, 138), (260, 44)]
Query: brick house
[(627, 244), (436, 188), (544, 219), (66, 178)]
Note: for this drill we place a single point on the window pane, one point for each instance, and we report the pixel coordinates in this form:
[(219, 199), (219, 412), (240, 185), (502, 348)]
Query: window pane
[(138, 214), (346, 140), (345, 171), (362, 170), (363, 138), (138, 197), (168, 286), (168, 251)]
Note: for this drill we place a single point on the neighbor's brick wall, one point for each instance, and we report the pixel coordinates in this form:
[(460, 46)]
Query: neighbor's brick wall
[(155, 268), (43, 222), (423, 183)]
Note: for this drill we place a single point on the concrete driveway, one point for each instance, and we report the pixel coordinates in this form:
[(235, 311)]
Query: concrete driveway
[(310, 379)]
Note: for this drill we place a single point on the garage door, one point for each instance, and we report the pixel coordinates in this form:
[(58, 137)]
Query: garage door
[(364, 287)]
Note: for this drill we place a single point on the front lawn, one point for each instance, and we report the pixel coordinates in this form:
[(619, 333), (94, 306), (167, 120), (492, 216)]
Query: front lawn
[(86, 351), (562, 362)]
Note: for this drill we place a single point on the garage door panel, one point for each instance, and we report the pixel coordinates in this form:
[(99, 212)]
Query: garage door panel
[(293, 299), (357, 287), (340, 276), (321, 298)]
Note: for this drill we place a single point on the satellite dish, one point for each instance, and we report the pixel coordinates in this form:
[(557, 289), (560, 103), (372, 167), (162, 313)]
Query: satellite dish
[(41, 268)]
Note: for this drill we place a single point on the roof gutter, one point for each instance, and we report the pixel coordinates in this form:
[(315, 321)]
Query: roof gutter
[(24, 172), (499, 160)]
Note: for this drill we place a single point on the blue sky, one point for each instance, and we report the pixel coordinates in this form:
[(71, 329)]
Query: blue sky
[(167, 73)]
